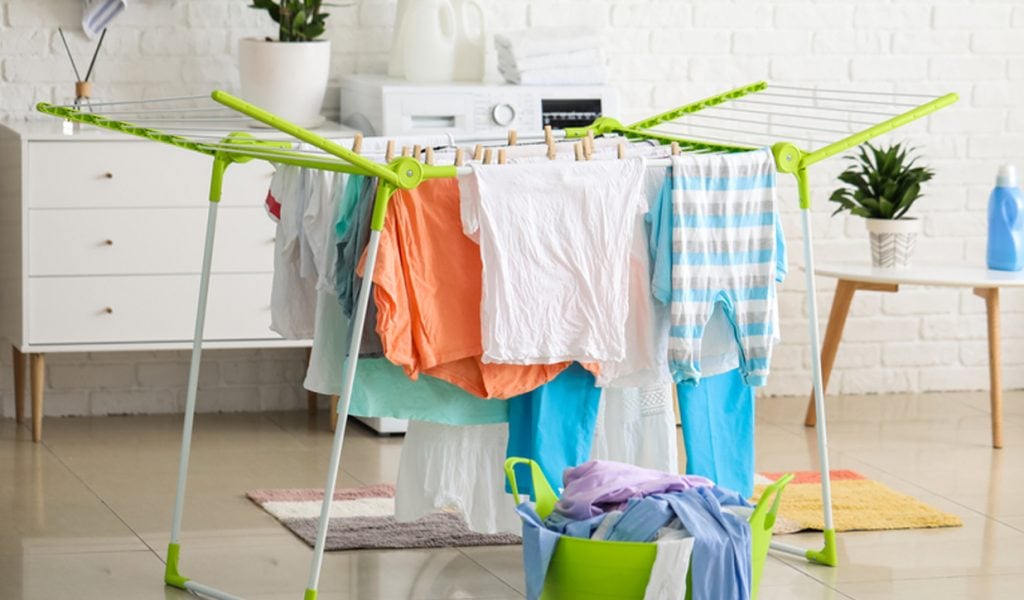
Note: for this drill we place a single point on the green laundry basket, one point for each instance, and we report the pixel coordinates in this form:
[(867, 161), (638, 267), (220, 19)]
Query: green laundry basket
[(583, 569)]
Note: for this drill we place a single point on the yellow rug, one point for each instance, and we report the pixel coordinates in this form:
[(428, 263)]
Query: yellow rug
[(858, 504)]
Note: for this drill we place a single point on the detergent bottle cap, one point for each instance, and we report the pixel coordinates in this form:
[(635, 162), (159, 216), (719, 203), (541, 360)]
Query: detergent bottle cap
[(1007, 176)]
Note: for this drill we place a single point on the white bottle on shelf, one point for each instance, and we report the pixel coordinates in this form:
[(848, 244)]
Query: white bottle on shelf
[(470, 52), (396, 68), (428, 40)]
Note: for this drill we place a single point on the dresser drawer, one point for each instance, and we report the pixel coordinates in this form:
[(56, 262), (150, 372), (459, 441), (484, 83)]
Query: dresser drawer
[(71, 310), (76, 174), (147, 241)]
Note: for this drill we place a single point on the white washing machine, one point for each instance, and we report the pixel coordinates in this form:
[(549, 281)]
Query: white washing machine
[(379, 105)]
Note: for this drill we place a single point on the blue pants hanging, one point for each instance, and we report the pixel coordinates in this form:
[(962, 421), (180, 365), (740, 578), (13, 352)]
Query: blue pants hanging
[(718, 430), (553, 425)]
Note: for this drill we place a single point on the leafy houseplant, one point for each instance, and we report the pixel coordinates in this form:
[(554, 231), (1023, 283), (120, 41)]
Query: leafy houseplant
[(288, 76), (298, 20), (881, 185)]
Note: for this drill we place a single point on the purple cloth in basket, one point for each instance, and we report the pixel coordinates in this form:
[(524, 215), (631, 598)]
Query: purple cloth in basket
[(600, 486)]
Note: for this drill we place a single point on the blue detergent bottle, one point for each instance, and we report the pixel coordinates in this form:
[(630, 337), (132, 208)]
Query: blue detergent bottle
[(1006, 222)]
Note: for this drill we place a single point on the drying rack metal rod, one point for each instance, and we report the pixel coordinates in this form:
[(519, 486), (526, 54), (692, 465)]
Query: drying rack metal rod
[(858, 111), (817, 98), (782, 115), (812, 89), (772, 124), (144, 101)]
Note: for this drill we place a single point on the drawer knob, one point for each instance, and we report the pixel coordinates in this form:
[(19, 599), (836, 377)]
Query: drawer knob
[(108, 310), (108, 175), (108, 242)]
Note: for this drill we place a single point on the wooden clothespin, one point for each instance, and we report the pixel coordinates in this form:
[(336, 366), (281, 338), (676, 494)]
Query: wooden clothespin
[(502, 156), (487, 156), (460, 157), (675, 148), (389, 153), (406, 151), (416, 149), (577, 149), (513, 137), (622, 150), (430, 155), (588, 147), (549, 140), (478, 152), (357, 143)]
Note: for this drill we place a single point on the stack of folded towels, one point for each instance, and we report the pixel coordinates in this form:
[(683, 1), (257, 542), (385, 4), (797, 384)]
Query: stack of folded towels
[(550, 56)]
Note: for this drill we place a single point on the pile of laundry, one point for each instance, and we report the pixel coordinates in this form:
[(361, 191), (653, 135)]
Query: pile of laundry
[(550, 56), (693, 523)]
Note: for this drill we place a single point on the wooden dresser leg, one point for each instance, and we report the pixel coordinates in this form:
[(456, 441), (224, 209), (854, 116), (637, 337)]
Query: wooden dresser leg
[(334, 412), (991, 296), (311, 397), (19, 384), (37, 365)]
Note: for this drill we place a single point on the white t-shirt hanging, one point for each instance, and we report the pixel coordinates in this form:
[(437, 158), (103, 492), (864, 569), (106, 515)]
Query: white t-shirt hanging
[(646, 360), (320, 214), (555, 244)]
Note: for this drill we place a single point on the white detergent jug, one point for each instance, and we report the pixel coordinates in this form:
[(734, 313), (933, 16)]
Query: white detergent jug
[(428, 39), (396, 68), (469, 40)]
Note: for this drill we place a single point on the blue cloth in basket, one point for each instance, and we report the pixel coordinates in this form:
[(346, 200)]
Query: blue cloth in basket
[(721, 561), (539, 544)]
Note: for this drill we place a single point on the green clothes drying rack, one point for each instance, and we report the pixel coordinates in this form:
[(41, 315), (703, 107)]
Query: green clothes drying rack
[(686, 126)]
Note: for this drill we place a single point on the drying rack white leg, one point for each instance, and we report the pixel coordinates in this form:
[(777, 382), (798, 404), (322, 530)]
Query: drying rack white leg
[(171, 575), (348, 381), (827, 555)]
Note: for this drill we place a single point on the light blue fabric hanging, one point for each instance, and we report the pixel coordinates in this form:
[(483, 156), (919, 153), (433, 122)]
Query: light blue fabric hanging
[(718, 430), (553, 425)]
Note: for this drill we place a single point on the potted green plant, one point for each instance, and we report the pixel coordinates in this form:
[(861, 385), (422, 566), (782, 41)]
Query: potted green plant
[(288, 75), (882, 185)]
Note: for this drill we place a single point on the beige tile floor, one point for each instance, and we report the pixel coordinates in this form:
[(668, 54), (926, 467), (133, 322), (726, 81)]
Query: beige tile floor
[(85, 514)]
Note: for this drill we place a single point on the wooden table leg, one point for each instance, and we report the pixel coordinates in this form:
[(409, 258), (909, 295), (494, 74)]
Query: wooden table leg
[(19, 384), (311, 397), (334, 412), (845, 290), (37, 365), (991, 296)]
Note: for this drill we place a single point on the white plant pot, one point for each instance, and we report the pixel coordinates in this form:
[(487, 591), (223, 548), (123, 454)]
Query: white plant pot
[(892, 241), (288, 79)]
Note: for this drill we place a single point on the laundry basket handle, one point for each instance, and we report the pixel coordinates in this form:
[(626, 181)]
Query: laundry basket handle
[(775, 490), (543, 495)]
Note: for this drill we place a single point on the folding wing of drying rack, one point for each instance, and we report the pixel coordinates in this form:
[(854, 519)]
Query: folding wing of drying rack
[(825, 122), (400, 173)]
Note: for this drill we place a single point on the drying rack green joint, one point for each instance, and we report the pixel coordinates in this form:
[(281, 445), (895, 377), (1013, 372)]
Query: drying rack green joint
[(407, 173)]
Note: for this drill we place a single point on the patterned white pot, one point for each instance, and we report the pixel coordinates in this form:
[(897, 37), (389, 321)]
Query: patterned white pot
[(892, 241)]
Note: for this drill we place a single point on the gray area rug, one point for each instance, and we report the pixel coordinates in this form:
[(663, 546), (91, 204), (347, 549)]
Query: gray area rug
[(363, 518)]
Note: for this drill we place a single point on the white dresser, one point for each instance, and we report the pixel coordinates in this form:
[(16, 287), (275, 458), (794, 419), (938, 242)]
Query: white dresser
[(101, 240)]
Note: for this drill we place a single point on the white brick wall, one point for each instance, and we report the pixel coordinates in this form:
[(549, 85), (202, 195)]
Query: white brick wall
[(663, 53)]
